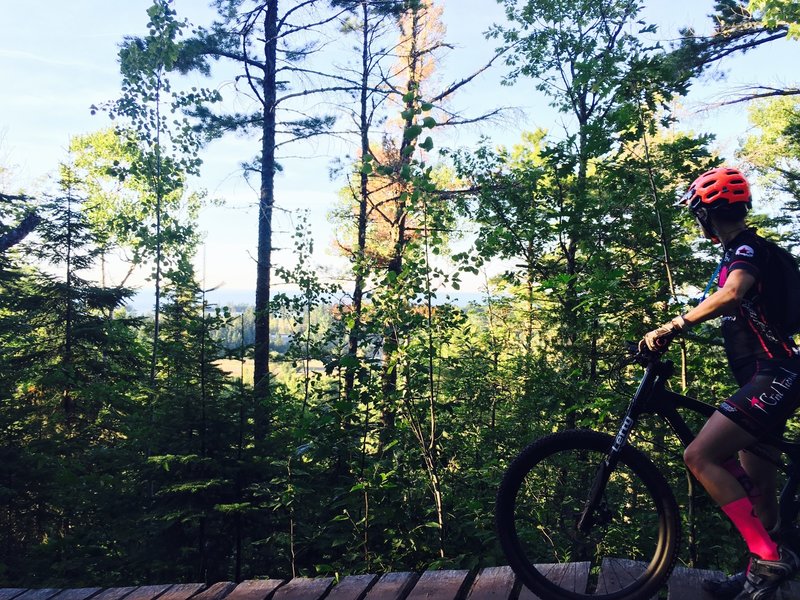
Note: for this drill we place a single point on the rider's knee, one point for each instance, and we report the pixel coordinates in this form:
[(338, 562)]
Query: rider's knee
[(693, 458)]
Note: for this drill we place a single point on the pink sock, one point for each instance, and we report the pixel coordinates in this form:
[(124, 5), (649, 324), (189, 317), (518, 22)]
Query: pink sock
[(749, 525)]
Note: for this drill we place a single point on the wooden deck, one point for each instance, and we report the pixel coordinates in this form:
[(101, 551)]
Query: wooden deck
[(497, 583)]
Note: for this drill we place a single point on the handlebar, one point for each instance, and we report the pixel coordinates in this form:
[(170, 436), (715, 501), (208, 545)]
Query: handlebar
[(643, 356)]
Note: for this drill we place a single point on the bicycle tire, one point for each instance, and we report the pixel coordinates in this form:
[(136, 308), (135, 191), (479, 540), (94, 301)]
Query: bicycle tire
[(551, 479)]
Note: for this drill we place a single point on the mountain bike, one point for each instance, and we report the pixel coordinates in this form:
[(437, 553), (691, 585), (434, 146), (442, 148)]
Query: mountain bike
[(583, 514)]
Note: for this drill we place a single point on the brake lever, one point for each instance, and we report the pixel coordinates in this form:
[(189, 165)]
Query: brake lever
[(642, 356)]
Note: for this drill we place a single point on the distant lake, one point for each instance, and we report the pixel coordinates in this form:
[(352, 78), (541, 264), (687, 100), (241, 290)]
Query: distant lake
[(143, 301)]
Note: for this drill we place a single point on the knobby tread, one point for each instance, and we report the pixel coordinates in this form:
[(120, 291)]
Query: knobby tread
[(584, 439)]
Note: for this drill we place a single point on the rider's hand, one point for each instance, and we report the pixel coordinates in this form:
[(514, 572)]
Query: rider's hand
[(659, 339)]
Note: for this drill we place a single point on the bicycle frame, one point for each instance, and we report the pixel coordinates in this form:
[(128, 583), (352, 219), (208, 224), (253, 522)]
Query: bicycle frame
[(607, 487), (652, 397)]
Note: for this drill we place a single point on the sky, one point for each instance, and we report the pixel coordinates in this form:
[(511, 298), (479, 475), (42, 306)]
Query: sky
[(58, 58)]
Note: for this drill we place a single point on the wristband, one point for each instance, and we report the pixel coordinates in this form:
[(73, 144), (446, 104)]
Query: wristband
[(680, 324)]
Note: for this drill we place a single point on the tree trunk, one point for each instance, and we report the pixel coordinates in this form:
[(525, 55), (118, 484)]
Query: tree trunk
[(360, 267), (69, 315), (436, 490), (266, 203), (19, 232)]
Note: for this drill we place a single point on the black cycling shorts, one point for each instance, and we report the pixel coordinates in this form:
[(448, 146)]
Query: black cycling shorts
[(763, 404)]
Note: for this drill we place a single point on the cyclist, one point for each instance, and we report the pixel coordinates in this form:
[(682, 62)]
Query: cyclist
[(766, 364)]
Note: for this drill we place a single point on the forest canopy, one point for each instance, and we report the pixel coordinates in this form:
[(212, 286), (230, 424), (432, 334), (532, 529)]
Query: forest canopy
[(360, 421)]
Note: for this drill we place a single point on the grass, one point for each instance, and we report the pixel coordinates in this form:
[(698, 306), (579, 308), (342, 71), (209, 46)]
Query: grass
[(233, 368)]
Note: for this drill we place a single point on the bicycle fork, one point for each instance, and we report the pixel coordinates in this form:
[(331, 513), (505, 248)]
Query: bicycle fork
[(651, 379), (587, 517)]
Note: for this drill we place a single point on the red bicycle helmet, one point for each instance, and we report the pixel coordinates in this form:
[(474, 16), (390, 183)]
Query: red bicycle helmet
[(720, 187)]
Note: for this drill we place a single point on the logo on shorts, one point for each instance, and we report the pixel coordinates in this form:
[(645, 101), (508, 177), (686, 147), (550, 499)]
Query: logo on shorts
[(727, 407), (745, 251), (757, 403), (777, 390)]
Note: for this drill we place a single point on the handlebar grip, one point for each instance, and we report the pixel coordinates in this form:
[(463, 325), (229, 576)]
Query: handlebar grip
[(663, 342), (642, 354)]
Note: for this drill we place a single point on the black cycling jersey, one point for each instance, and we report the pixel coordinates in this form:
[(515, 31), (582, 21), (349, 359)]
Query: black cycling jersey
[(753, 333)]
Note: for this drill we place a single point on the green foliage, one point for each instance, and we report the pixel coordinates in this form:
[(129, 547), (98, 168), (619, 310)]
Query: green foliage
[(72, 366), (386, 456), (778, 12), (121, 206), (151, 107), (152, 150), (195, 472), (774, 151)]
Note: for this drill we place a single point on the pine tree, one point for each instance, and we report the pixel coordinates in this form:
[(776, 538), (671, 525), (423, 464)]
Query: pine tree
[(78, 376)]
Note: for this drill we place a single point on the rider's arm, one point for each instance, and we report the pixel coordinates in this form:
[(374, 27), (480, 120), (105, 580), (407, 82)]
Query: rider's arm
[(724, 301)]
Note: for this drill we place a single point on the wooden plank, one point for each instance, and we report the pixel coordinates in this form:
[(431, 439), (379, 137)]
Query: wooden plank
[(217, 591), (255, 589), (686, 583), (352, 588), (114, 593), (9, 593), (42, 594), (439, 585), (573, 577), (77, 594), (148, 592), (494, 583), (392, 586), (616, 573), (304, 588), (182, 591)]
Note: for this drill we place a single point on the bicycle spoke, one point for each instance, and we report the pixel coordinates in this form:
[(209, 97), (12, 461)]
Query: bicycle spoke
[(555, 487), (617, 573)]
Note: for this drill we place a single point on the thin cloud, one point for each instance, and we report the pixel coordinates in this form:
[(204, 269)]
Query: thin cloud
[(45, 60)]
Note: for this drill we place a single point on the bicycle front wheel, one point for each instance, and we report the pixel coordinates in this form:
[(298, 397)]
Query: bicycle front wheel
[(626, 544)]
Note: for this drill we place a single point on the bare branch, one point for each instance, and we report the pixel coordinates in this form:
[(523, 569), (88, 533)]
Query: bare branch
[(318, 73), (18, 233), (250, 82), (312, 92), (719, 45), (756, 93), (469, 78), (455, 120), (296, 29), (244, 58)]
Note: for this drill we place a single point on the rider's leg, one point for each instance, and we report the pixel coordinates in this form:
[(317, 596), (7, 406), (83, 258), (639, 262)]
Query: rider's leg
[(718, 440), (764, 475), (705, 457)]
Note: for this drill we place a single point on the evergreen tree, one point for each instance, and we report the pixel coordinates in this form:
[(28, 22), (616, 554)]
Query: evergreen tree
[(196, 463), (271, 49), (77, 378)]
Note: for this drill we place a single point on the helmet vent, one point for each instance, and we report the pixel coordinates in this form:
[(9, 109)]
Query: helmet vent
[(720, 187)]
